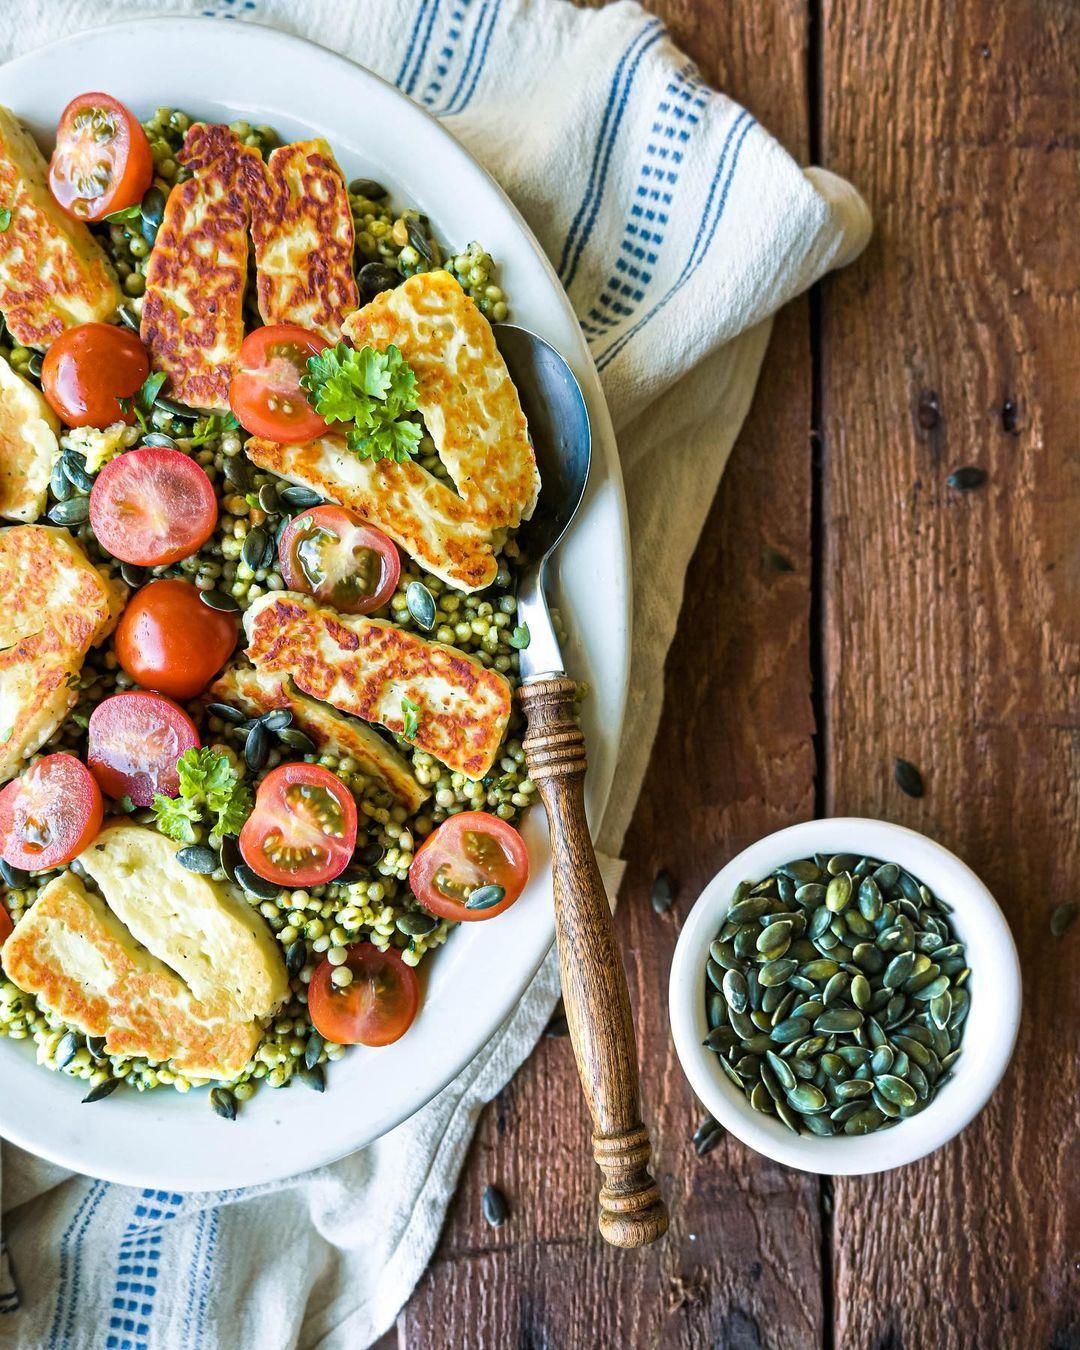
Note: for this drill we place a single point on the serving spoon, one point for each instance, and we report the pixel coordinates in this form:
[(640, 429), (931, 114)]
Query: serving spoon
[(632, 1213)]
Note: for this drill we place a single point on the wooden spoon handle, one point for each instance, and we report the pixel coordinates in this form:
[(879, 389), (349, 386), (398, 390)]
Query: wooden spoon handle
[(593, 980)]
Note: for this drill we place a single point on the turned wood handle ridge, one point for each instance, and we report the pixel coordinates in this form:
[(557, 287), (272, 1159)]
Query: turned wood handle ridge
[(593, 980)]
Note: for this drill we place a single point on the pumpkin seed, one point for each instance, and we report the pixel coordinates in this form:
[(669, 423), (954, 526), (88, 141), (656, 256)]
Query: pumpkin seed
[(314, 1078), (159, 439), (254, 884), (908, 778), (837, 987), (801, 871), (486, 897), (773, 942), (1063, 917), (839, 1019), (662, 894), (237, 471), (313, 1050), (103, 1090), (967, 478), (414, 924), (223, 1103), (296, 497), (777, 972), (788, 1116), (257, 748), (198, 858), (421, 605), (297, 740), (898, 970), (254, 547), (13, 877), (74, 511), (791, 1029), (230, 856), (895, 1090), (225, 604), (838, 893), (269, 499), (736, 991), (746, 911), (65, 1050), (74, 467), (941, 1009), (806, 1097), (707, 1135), (295, 958)]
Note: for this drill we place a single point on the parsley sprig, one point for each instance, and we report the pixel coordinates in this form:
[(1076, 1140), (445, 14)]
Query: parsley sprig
[(374, 390), (209, 786)]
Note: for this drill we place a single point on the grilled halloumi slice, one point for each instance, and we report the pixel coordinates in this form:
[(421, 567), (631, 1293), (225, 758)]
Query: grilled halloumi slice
[(258, 691), (53, 275), (302, 229), (192, 316), (370, 669), (219, 946), (57, 606), (472, 412), (28, 447), (79, 961)]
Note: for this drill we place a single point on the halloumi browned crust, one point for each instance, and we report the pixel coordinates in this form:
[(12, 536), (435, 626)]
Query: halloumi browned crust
[(57, 606), (28, 446), (192, 316), (473, 413), (367, 668), (53, 275), (79, 961), (258, 691), (220, 947), (302, 228)]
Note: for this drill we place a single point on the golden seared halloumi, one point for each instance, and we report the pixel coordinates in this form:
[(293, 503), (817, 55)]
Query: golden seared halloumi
[(192, 317), (28, 447), (258, 691), (370, 669), (302, 229), (53, 275), (57, 606), (79, 961), (219, 946), (473, 414)]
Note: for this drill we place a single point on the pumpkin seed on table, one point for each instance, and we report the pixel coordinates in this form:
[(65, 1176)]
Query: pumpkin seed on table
[(663, 891), (836, 994)]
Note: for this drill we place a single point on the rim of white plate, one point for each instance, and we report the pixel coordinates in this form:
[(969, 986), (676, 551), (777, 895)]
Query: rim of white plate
[(989, 1034), (166, 1140)]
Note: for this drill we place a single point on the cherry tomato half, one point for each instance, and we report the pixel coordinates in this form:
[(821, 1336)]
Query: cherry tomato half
[(6, 926), (152, 506), (89, 369), (134, 742), (102, 161), (168, 640), (470, 851), (376, 1007), (327, 552), (49, 814), (303, 829), (265, 392)]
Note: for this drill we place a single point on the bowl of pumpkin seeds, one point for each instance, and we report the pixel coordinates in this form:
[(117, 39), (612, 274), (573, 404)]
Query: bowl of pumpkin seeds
[(845, 996)]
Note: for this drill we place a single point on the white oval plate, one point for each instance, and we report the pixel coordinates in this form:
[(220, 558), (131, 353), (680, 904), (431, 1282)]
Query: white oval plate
[(223, 71)]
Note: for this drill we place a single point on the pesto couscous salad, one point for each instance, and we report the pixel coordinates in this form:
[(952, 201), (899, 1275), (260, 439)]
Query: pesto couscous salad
[(261, 468)]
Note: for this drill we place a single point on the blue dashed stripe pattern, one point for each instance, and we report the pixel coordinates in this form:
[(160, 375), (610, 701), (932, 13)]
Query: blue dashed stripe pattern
[(206, 1235), (419, 40), (614, 110), (137, 1270), (710, 220), (70, 1272), (678, 113), (229, 9)]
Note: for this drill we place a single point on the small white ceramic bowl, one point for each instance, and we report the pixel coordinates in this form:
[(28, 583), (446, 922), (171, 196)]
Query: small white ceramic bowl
[(990, 1031)]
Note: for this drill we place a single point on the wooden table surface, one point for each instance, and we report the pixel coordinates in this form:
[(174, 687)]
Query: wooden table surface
[(915, 620)]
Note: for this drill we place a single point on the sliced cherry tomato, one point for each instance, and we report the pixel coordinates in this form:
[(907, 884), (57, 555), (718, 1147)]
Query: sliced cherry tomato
[(134, 742), (102, 161), (265, 392), (152, 506), (376, 1007), (49, 814), (327, 552), (303, 829), (6, 926), (89, 369), (168, 640), (472, 856)]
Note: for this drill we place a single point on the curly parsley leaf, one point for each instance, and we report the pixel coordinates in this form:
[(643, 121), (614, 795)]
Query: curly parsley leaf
[(208, 786), (373, 389), (216, 424)]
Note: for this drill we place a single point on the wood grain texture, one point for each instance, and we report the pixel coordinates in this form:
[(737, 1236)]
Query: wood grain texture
[(632, 1214), (952, 620), (740, 1266)]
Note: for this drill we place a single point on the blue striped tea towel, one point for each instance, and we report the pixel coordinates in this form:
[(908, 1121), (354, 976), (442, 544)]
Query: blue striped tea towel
[(678, 227)]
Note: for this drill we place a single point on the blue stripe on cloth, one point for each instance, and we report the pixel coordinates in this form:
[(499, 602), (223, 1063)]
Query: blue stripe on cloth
[(478, 11), (605, 148), (705, 235), (479, 66), (411, 82), (201, 1269), (447, 52), (68, 1276), (677, 115), (137, 1268), (407, 58), (616, 80)]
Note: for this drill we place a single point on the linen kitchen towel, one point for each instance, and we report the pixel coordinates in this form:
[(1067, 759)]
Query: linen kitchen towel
[(678, 226)]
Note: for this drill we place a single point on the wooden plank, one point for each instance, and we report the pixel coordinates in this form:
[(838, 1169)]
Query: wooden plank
[(952, 619), (741, 1264)]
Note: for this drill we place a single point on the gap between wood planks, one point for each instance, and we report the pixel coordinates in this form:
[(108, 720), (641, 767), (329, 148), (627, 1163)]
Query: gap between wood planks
[(814, 95)]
